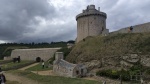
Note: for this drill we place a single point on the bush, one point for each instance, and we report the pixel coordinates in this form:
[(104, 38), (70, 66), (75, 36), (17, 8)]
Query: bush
[(125, 75), (65, 50), (114, 74)]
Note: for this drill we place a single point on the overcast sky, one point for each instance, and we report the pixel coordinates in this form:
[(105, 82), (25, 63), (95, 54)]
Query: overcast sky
[(54, 20)]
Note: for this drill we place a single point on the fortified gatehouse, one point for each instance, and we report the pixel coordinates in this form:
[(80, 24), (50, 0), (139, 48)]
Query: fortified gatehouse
[(64, 68), (91, 22)]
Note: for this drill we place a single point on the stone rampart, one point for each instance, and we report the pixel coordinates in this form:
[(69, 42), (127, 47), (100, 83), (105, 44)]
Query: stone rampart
[(141, 28), (32, 54)]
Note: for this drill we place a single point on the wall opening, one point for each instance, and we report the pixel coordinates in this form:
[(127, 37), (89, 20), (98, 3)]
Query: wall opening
[(102, 28), (38, 59), (77, 72), (81, 71)]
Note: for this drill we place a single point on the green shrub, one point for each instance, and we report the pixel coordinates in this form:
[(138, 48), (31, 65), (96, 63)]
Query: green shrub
[(114, 74), (65, 50), (125, 75)]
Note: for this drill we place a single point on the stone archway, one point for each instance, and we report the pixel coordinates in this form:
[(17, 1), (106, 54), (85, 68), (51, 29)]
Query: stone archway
[(38, 59)]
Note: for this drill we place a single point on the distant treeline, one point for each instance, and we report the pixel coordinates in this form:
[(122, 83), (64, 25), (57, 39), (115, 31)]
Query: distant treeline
[(6, 48)]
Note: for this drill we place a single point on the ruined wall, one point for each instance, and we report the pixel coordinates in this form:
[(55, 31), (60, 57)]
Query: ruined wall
[(64, 68), (141, 28), (32, 54)]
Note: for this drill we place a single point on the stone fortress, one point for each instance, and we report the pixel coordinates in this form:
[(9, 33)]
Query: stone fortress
[(91, 22)]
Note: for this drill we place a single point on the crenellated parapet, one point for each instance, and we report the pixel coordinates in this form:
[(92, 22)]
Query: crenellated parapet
[(102, 14), (91, 11)]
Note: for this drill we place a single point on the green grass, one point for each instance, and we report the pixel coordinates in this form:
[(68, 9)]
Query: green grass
[(39, 67), (53, 79), (94, 48), (14, 65), (4, 60)]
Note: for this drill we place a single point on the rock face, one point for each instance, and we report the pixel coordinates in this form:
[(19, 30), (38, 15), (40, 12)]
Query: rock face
[(133, 58), (145, 60), (129, 60), (126, 61), (93, 64), (111, 61)]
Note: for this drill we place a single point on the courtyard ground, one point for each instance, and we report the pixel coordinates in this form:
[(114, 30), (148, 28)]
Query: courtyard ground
[(48, 76)]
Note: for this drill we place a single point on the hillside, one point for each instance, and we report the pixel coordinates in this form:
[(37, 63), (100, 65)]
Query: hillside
[(113, 46)]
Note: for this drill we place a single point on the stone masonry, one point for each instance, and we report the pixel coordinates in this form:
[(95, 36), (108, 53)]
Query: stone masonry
[(136, 29), (91, 22), (32, 54), (64, 68)]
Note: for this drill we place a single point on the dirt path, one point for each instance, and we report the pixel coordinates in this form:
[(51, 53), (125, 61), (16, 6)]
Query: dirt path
[(20, 79), (24, 68), (48, 72)]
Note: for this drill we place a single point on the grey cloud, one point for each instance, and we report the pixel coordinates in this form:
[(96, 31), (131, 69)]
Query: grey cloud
[(128, 13), (57, 33), (16, 16), (32, 20)]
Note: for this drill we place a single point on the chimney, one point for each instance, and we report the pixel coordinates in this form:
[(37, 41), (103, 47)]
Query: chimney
[(98, 8), (59, 55)]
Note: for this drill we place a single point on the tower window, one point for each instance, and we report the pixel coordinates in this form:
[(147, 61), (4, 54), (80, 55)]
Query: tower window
[(103, 21), (102, 28)]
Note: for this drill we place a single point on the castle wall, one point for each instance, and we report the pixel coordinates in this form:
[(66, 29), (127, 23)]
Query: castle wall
[(90, 26), (32, 54), (141, 28), (90, 23)]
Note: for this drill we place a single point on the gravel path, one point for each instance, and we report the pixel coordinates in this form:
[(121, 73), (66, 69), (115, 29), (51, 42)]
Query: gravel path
[(20, 79), (24, 68), (47, 72)]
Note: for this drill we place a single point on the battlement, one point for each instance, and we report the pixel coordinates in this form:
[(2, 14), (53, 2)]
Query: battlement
[(91, 11), (91, 7)]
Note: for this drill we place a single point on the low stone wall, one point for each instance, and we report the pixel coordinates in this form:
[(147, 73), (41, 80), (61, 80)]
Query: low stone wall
[(32, 54), (7, 58)]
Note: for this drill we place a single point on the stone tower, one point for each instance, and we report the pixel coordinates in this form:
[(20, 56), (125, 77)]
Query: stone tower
[(91, 22)]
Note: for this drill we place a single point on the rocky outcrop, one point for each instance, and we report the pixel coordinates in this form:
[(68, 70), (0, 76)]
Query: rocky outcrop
[(93, 64), (145, 60)]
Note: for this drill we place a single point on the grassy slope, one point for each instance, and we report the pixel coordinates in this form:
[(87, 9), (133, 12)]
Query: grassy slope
[(94, 48)]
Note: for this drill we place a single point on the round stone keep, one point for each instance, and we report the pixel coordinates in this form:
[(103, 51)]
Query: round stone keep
[(91, 22)]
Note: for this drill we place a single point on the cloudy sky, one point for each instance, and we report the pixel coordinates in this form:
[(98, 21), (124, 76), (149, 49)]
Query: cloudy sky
[(54, 20)]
